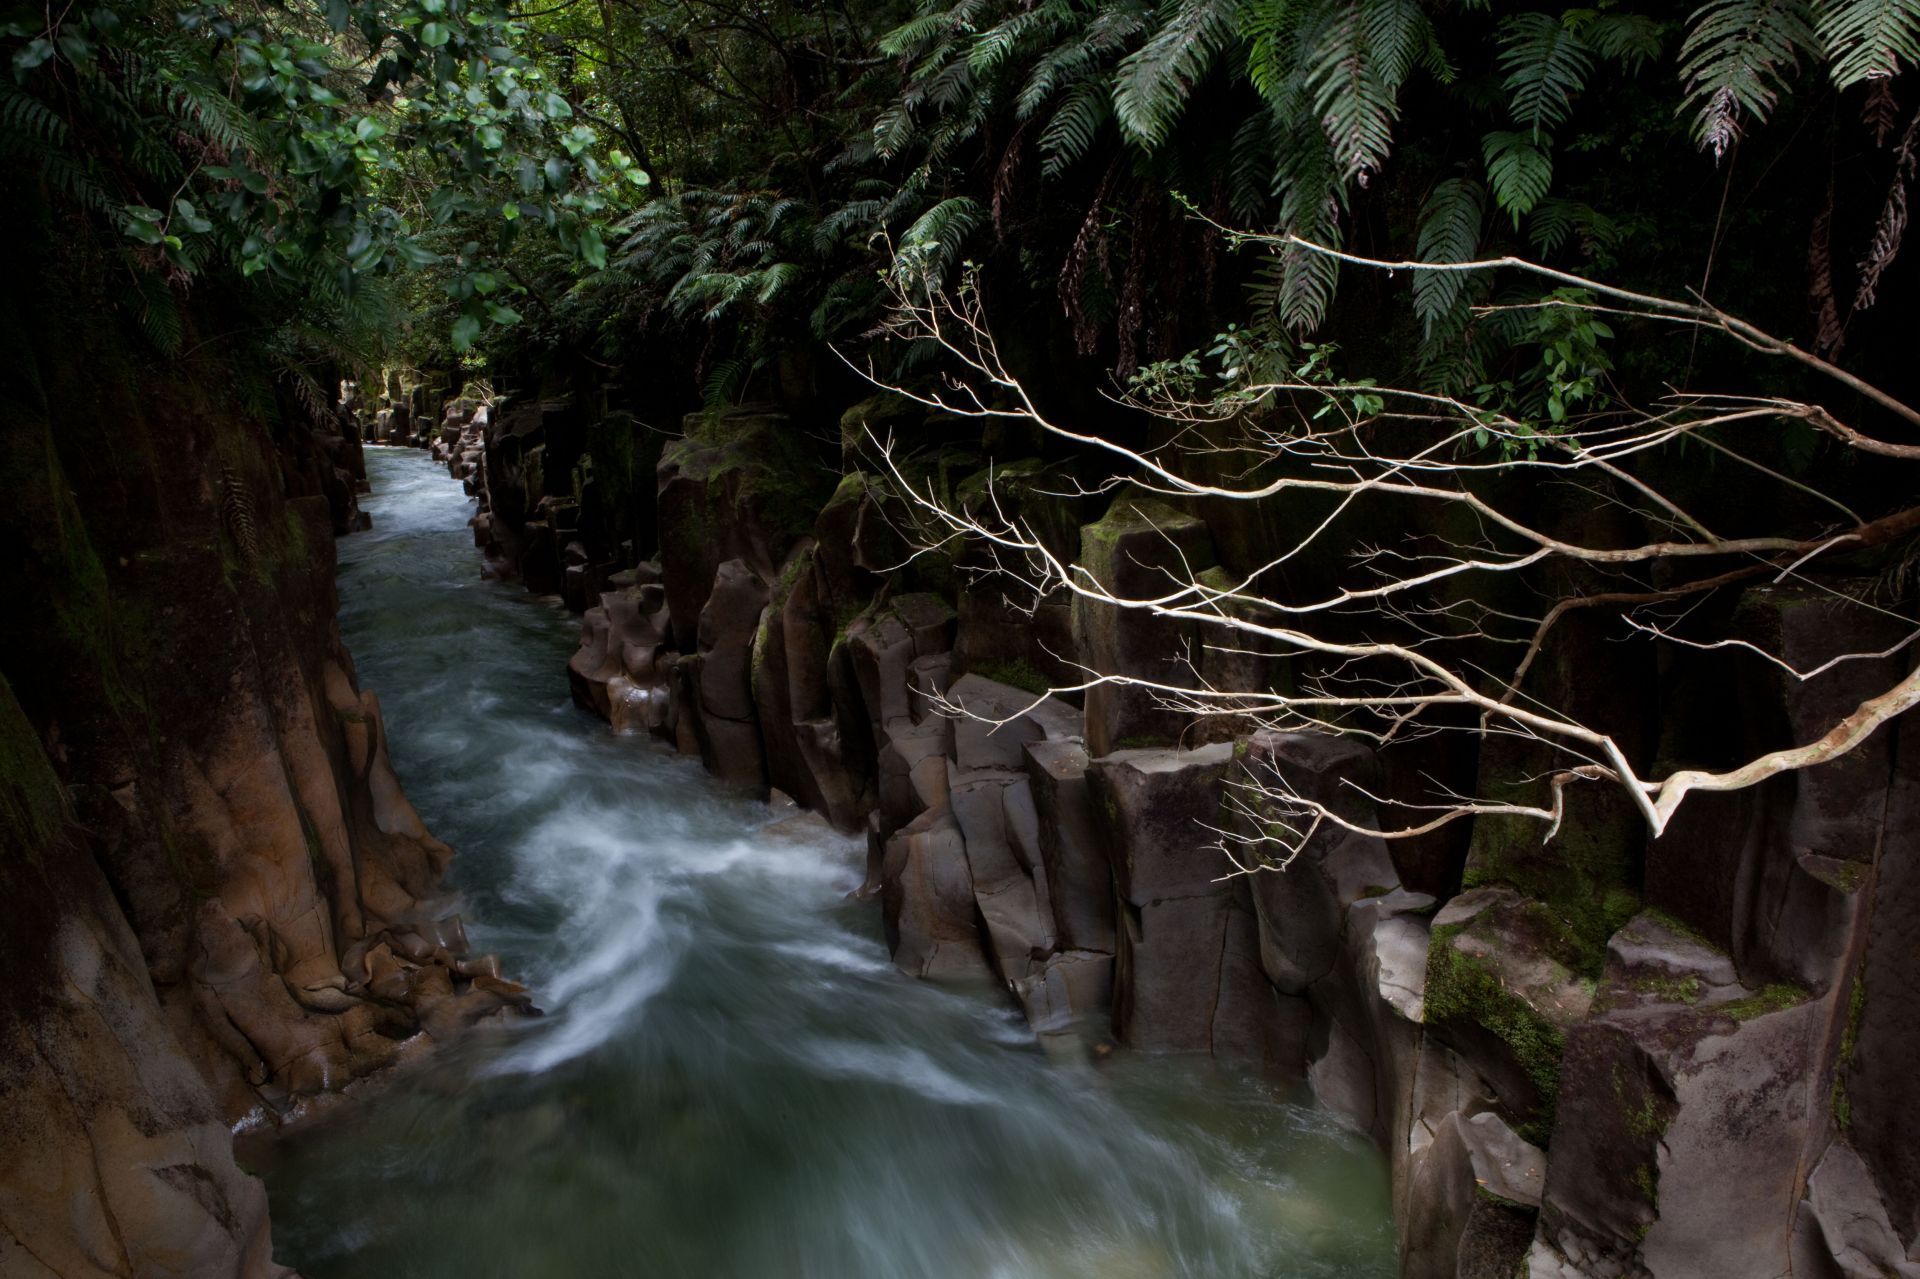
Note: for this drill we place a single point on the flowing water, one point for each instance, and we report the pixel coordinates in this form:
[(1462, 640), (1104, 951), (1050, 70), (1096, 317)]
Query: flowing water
[(731, 1079)]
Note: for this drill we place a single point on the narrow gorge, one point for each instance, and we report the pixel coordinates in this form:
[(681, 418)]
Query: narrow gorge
[(959, 639)]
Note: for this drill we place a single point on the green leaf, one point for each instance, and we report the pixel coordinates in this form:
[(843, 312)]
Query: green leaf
[(191, 216), (414, 253), (593, 251), (36, 52), (465, 330), (434, 34)]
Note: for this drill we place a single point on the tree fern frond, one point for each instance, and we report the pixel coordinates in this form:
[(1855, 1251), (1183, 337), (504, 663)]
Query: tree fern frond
[(1250, 167), (1735, 60), (999, 43), (931, 246), (1546, 63), (1268, 28), (159, 315), (1632, 39), (775, 279), (25, 115), (1868, 39), (1554, 222), (1154, 81), (1450, 222), (1070, 133), (893, 131), (1519, 170), (843, 221), (1400, 37), (1356, 105), (724, 382), (913, 37)]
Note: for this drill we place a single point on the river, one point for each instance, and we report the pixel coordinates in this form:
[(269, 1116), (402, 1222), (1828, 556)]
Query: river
[(731, 1079)]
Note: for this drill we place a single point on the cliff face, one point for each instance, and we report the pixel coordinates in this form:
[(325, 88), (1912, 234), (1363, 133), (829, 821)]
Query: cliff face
[(220, 903), (1601, 1056)]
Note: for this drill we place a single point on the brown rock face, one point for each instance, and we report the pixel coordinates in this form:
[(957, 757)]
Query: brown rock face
[(218, 902), (113, 1157)]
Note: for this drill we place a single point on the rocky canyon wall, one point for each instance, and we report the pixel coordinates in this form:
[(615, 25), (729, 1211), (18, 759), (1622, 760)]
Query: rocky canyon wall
[(220, 905), (1600, 1056)]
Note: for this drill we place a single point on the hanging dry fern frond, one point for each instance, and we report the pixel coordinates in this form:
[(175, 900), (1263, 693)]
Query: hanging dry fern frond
[(236, 514), (1828, 332), (1881, 111), (1892, 227), (1088, 240)]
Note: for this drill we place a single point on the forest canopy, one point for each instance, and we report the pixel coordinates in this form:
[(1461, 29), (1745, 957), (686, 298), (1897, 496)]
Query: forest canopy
[(735, 177)]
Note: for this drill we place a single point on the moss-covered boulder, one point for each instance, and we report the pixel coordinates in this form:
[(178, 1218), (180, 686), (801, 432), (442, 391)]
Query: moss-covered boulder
[(1684, 1118), (1504, 986)]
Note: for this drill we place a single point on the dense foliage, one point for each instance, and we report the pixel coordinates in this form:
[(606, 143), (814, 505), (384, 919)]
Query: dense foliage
[(299, 155), (1090, 152)]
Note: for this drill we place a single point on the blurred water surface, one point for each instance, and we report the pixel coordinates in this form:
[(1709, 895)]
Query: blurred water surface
[(731, 1079)]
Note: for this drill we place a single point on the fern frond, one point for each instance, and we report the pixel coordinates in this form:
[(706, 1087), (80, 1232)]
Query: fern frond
[(893, 131), (1356, 105), (774, 279), (1735, 61), (1400, 37), (1546, 63), (1268, 27), (1450, 222), (1250, 167), (1154, 81), (24, 115), (1554, 222), (159, 315), (1868, 39), (1070, 133), (1519, 170), (931, 246), (724, 382), (1632, 39), (913, 37)]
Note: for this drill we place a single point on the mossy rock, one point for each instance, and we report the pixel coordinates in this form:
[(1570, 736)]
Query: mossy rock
[(1503, 986), (886, 415)]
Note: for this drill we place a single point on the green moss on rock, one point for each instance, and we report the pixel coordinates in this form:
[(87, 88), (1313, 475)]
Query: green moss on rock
[(1460, 987), (1772, 998)]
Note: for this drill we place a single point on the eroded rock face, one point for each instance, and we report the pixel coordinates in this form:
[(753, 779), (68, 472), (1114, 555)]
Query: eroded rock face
[(226, 910), (114, 1159)]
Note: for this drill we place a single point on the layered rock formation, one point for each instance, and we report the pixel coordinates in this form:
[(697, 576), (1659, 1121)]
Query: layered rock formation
[(221, 904), (1596, 1057)]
